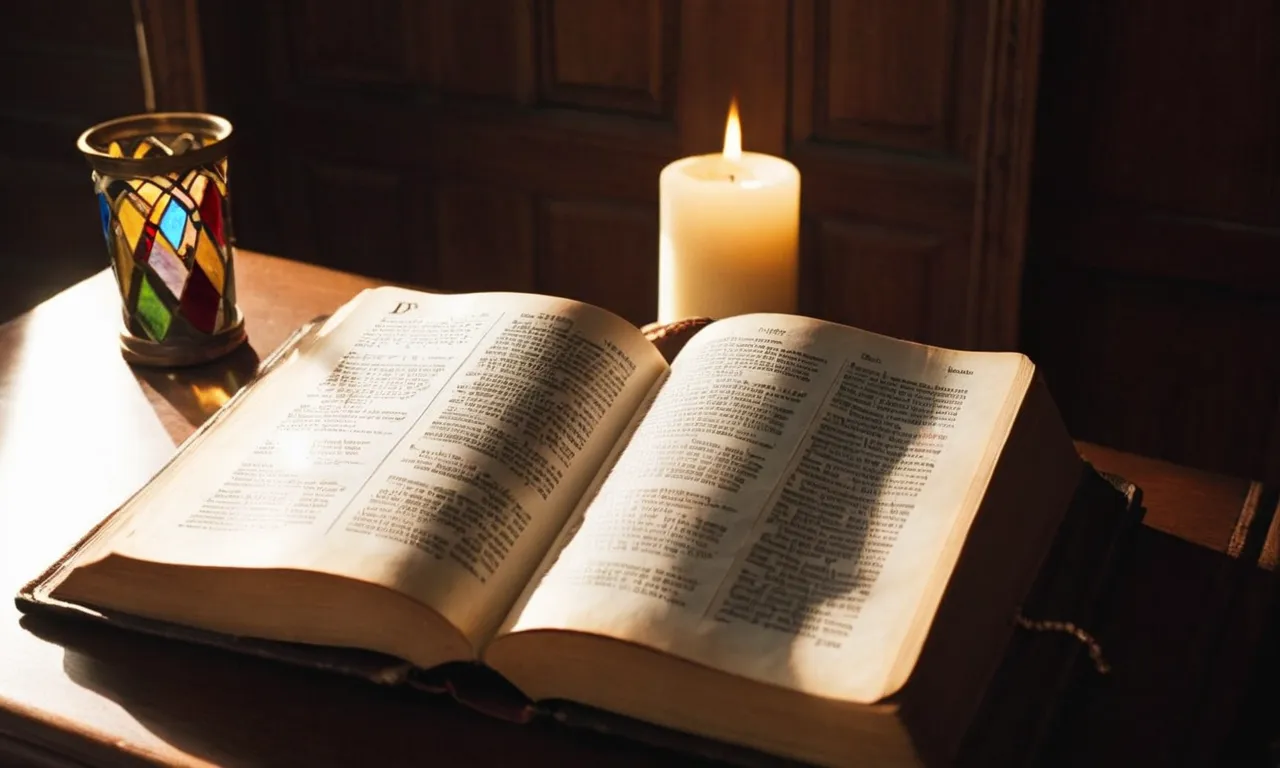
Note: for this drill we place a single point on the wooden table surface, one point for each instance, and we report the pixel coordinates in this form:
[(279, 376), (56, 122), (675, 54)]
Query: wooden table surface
[(1184, 625)]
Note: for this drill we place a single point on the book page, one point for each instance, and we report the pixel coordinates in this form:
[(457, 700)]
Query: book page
[(779, 510), (433, 444)]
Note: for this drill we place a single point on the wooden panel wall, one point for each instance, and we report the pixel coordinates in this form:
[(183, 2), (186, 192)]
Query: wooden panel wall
[(66, 66), (1154, 293), (516, 144), (886, 108)]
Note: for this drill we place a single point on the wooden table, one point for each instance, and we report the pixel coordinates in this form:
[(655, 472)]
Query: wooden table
[(80, 430)]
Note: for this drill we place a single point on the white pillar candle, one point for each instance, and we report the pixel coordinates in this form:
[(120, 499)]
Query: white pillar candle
[(729, 231)]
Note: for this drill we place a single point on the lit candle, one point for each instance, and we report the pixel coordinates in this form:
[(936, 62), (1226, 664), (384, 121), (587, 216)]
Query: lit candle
[(729, 229)]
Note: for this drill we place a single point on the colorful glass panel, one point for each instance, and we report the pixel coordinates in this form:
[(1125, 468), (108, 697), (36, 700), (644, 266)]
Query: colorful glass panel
[(143, 252), (188, 239), (131, 221), (181, 196), (207, 259), (152, 312), (173, 222), (159, 208), (196, 189), (211, 214), (167, 236), (104, 211), (124, 264), (168, 267), (200, 302), (132, 198), (147, 191)]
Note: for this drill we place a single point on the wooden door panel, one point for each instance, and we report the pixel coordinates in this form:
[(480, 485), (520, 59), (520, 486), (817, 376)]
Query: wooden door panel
[(1162, 362), (417, 46), (66, 67), (1163, 246), (876, 186), (891, 74), (536, 131), (881, 72), (601, 252), (351, 44), (485, 239), (618, 56), (359, 215), (480, 49), (116, 81), (546, 153), (1140, 84), (888, 101), (1156, 229), (890, 285), (727, 49)]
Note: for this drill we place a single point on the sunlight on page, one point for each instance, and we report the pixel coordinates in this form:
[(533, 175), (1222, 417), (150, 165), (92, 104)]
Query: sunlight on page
[(287, 460), (487, 477), (434, 445), (781, 508)]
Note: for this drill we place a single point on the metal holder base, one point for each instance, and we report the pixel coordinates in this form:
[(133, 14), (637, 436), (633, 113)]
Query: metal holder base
[(138, 351)]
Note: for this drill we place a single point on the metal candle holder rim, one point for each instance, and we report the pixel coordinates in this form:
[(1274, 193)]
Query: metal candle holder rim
[(96, 139)]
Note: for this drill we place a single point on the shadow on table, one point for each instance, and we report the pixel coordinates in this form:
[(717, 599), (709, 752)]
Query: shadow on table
[(230, 709), (197, 392)]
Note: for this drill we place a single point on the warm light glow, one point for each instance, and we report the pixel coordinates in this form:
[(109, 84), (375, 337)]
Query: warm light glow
[(211, 398), (733, 133)]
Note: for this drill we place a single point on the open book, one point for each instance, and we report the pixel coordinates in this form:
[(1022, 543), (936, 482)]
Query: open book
[(799, 537)]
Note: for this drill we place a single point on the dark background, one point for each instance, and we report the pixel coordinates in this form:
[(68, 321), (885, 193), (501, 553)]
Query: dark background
[(1103, 194)]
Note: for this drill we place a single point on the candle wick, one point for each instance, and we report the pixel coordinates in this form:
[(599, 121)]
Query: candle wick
[(733, 179)]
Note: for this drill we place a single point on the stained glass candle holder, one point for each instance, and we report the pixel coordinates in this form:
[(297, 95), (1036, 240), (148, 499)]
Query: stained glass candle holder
[(161, 180)]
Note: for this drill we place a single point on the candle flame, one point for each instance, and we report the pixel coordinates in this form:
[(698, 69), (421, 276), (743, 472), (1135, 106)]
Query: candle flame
[(733, 133)]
